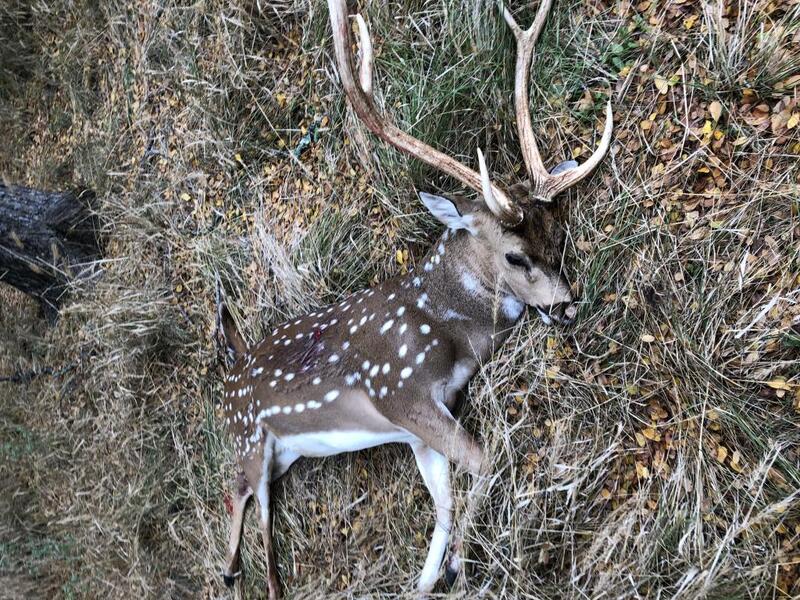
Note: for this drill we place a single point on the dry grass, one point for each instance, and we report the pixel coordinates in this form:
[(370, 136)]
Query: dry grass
[(649, 451)]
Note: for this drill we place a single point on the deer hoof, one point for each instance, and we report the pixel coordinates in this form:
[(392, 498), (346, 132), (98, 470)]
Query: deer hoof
[(230, 580), (451, 570)]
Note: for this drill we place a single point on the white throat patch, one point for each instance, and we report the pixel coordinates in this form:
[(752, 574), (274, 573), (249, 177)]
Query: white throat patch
[(512, 308)]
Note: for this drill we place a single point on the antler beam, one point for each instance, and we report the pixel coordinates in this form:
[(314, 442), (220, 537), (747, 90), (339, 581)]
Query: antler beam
[(361, 97), (543, 185)]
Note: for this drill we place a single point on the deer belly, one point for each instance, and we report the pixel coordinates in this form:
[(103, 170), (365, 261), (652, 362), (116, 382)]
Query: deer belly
[(328, 443)]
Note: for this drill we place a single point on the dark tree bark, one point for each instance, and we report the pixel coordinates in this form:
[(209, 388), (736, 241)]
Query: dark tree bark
[(47, 240)]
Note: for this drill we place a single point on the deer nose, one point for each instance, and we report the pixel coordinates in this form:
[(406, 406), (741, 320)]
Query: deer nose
[(565, 312)]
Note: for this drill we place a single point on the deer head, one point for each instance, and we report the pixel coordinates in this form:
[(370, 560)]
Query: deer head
[(517, 240)]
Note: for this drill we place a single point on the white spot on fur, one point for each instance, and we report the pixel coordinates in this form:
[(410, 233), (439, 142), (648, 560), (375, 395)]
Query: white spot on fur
[(425, 329), (316, 381), (331, 396), (402, 352), (420, 358), (385, 368), (470, 283), (387, 326), (453, 315), (406, 373)]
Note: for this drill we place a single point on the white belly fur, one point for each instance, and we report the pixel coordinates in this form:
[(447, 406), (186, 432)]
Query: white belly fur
[(328, 443)]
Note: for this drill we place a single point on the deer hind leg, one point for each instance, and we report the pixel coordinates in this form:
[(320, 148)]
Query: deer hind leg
[(435, 470), (241, 494), (263, 494)]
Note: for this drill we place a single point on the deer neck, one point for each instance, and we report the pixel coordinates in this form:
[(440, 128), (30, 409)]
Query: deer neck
[(455, 286)]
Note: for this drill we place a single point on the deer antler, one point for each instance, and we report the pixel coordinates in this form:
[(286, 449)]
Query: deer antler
[(543, 184), (362, 99)]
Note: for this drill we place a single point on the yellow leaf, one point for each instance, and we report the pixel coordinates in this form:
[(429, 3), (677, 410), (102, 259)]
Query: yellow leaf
[(577, 151), (779, 383), (640, 439), (735, 458), (722, 454), (399, 257), (662, 85), (642, 471), (646, 125), (605, 494), (741, 140), (689, 22), (647, 338), (651, 434), (793, 121), (238, 158), (715, 108), (185, 197), (707, 128)]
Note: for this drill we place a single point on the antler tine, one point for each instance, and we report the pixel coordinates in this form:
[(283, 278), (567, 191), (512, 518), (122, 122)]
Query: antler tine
[(362, 100), (562, 181), (543, 184), (365, 70), (500, 210)]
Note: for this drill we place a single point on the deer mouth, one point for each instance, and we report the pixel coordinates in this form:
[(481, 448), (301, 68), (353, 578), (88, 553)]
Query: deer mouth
[(563, 313)]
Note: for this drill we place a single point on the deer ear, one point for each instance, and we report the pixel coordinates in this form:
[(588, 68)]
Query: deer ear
[(564, 166), (447, 212)]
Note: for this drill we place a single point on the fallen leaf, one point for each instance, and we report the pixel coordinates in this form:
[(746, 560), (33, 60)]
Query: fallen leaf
[(722, 454), (662, 85), (715, 108), (648, 339), (651, 434), (779, 383)]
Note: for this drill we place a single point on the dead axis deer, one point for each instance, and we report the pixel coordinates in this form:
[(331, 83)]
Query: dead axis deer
[(386, 364)]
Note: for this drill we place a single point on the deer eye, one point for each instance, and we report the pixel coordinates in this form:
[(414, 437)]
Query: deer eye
[(517, 260)]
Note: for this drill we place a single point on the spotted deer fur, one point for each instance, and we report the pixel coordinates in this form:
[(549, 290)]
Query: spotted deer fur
[(386, 364)]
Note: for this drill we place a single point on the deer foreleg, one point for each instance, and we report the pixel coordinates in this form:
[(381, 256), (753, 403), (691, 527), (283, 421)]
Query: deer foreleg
[(433, 424), (435, 470), (241, 494)]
